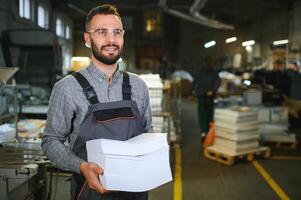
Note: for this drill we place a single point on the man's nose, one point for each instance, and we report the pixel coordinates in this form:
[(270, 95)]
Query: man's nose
[(110, 36)]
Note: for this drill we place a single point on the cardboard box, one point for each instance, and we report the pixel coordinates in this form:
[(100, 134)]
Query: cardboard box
[(279, 114), (136, 165), (252, 97)]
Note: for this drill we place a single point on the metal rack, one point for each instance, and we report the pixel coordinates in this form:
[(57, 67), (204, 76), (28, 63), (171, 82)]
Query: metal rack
[(5, 74), (175, 110)]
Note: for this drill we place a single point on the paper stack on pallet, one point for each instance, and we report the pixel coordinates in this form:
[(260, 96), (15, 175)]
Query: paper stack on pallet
[(274, 124), (158, 124), (155, 89), (236, 129)]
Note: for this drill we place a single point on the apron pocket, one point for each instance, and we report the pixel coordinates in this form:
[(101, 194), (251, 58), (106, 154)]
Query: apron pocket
[(108, 115)]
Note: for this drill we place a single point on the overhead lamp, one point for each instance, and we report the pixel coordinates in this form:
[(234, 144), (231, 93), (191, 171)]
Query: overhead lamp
[(249, 48), (280, 42), (247, 82), (209, 44), (232, 39), (248, 43)]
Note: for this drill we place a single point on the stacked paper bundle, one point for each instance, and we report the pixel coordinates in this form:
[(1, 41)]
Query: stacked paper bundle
[(135, 165), (30, 128), (274, 124), (158, 124), (7, 133), (236, 129), (155, 88)]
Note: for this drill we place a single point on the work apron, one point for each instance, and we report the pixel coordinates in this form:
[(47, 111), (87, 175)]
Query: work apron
[(118, 120)]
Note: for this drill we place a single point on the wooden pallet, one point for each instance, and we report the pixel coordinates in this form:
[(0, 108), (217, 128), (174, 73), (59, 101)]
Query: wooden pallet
[(282, 144), (227, 157)]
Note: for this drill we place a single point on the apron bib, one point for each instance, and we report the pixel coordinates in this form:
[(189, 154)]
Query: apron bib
[(118, 120)]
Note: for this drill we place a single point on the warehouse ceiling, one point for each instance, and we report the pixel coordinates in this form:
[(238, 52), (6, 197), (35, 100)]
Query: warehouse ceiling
[(226, 12)]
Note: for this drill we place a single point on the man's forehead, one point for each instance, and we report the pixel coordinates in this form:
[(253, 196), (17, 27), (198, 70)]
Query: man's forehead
[(106, 19)]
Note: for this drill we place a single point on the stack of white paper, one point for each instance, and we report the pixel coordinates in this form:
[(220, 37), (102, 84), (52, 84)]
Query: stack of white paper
[(236, 129), (138, 164), (274, 124), (158, 124), (155, 88), (7, 133)]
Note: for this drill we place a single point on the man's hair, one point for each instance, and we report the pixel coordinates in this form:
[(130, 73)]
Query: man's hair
[(105, 9)]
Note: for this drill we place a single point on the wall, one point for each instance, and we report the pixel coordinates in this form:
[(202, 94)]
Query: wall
[(10, 20)]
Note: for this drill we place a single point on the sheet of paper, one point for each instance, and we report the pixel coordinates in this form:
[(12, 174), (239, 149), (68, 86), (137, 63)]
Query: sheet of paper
[(139, 145)]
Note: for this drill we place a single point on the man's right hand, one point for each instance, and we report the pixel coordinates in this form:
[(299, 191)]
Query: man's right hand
[(91, 172)]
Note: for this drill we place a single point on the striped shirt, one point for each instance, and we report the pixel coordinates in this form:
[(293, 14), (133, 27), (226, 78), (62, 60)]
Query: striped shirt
[(67, 99)]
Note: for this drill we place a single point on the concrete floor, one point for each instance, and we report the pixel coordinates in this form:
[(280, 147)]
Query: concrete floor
[(209, 180)]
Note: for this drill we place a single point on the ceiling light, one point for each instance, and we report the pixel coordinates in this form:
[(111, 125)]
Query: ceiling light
[(209, 44), (232, 39), (249, 48), (280, 42), (247, 82), (248, 43)]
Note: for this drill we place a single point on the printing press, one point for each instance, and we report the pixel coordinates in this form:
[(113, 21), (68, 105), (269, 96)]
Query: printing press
[(22, 172)]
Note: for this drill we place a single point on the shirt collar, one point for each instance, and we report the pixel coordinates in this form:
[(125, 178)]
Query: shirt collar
[(101, 75)]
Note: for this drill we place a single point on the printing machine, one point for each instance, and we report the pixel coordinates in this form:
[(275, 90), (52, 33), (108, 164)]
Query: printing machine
[(22, 172), (22, 166)]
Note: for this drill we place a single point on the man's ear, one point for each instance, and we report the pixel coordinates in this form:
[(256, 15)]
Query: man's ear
[(87, 40)]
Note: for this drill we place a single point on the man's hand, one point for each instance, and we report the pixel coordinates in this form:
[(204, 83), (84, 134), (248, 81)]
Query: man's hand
[(91, 172)]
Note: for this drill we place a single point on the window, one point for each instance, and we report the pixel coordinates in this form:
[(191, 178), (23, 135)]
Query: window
[(24, 8), (42, 16), (59, 27), (67, 32)]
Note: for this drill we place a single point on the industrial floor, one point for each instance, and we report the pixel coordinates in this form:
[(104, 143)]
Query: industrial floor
[(200, 178)]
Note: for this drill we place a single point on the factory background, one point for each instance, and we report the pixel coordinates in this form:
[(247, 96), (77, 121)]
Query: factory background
[(252, 44)]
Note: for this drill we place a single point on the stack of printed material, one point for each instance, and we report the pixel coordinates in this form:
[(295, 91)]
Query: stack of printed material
[(236, 129), (135, 165), (158, 124), (274, 124), (30, 128), (7, 133), (155, 89)]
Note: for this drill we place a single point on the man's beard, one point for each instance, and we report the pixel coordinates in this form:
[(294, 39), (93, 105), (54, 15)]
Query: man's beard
[(108, 60)]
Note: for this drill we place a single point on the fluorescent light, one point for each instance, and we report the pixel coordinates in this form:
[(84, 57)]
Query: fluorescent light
[(249, 48), (280, 42), (232, 39), (80, 59), (247, 82), (248, 43), (209, 44)]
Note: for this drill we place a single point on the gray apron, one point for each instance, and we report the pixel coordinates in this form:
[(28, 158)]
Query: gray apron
[(118, 120)]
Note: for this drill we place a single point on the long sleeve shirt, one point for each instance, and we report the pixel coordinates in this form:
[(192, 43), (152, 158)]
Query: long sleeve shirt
[(68, 107), (206, 81)]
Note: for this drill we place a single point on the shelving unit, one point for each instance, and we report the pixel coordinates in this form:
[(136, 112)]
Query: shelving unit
[(12, 117)]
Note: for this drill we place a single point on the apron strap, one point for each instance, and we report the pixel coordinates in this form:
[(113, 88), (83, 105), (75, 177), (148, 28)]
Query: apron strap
[(126, 87), (87, 88)]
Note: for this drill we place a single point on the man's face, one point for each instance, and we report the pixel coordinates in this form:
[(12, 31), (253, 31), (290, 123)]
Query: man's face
[(105, 41)]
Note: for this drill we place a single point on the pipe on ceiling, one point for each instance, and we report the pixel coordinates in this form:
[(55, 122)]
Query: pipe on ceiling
[(202, 20), (195, 12), (197, 6)]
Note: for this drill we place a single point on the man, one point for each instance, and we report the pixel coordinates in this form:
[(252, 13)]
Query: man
[(100, 101), (294, 80), (206, 84)]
